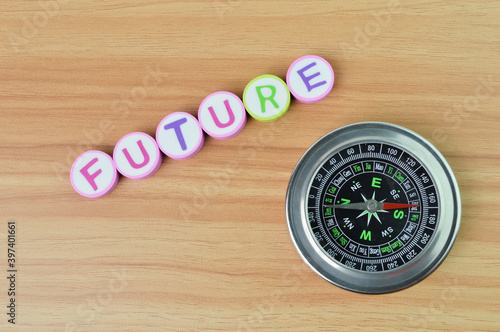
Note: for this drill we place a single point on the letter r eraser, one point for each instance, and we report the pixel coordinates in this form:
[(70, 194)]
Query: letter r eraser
[(266, 98)]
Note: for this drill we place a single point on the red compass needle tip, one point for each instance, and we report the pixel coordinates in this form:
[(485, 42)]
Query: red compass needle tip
[(392, 206)]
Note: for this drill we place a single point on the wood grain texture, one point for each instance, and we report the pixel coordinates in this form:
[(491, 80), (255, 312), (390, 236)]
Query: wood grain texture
[(204, 244)]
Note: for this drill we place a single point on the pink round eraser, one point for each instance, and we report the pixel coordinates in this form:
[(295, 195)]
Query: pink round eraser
[(179, 136), (222, 115), (93, 174), (137, 156), (310, 78)]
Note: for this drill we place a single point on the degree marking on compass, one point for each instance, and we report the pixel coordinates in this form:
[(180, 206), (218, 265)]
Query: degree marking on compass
[(432, 185)]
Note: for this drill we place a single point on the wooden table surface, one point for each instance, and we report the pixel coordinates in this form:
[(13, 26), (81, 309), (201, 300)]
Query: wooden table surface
[(204, 244)]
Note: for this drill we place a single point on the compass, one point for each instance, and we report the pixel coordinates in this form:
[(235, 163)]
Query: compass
[(373, 207)]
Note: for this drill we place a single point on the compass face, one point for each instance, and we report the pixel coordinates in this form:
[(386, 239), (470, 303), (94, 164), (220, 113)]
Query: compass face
[(373, 207)]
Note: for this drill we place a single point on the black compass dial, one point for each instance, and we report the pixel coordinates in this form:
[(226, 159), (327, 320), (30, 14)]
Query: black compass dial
[(372, 207)]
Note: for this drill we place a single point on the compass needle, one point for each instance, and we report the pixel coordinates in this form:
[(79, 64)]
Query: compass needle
[(329, 198), (392, 206)]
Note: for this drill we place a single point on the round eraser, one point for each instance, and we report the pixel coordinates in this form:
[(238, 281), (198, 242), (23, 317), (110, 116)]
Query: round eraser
[(137, 156), (179, 136), (222, 115), (266, 98), (93, 174), (310, 78)]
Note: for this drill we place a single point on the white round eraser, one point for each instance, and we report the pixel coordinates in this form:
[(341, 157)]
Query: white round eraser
[(222, 115), (137, 156), (179, 136), (94, 174), (310, 78), (266, 98)]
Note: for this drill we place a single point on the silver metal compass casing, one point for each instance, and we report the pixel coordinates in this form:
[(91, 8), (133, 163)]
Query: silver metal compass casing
[(384, 281)]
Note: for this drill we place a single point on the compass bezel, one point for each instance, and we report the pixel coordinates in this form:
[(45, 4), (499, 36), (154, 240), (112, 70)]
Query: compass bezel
[(362, 281)]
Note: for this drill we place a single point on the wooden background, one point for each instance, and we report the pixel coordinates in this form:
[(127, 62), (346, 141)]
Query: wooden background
[(204, 244)]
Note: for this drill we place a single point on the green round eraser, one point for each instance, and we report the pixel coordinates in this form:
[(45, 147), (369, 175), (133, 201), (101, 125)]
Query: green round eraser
[(266, 98)]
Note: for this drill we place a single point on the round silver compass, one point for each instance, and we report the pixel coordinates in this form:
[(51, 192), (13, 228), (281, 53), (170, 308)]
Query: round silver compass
[(373, 207)]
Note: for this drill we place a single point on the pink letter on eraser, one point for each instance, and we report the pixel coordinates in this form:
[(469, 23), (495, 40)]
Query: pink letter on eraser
[(93, 174), (222, 115), (179, 136), (310, 78), (137, 156)]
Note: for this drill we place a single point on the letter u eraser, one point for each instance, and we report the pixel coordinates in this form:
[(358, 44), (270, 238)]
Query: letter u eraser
[(94, 174), (266, 98), (137, 156), (310, 78), (222, 115)]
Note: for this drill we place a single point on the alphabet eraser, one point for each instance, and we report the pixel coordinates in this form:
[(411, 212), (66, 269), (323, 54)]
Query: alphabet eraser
[(137, 156), (94, 174), (222, 115), (179, 136), (310, 78), (266, 98)]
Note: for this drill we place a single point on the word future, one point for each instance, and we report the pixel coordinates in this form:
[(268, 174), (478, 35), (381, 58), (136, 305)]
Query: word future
[(222, 115)]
